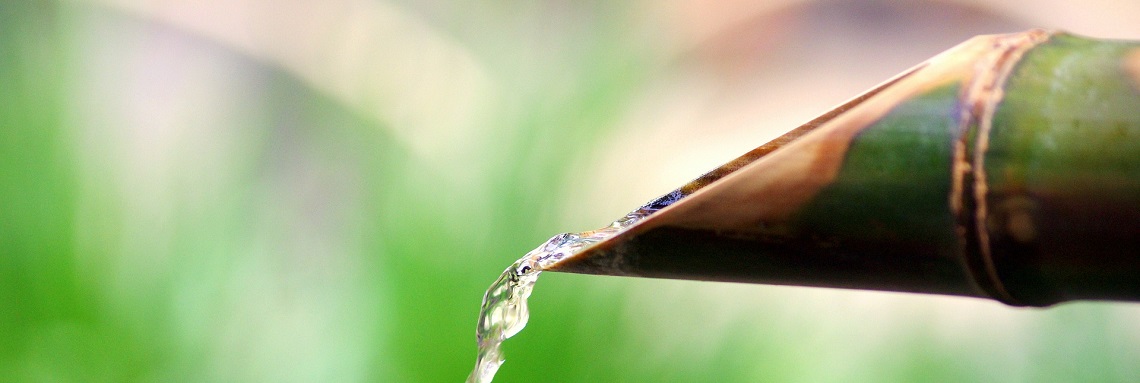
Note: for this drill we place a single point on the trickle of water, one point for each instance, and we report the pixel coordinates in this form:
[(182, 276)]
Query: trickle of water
[(504, 312)]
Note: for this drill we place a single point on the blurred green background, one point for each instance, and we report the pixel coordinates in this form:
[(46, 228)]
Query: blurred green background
[(291, 191)]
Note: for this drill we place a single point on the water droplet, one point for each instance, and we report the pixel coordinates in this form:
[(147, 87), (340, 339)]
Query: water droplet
[(504, 312)]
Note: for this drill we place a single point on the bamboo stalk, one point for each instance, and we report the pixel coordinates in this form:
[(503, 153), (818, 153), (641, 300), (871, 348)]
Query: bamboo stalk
[(1007, 167)]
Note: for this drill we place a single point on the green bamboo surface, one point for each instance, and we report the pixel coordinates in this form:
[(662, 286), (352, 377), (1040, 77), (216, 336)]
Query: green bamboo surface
[(176, 209), (1102, 127)]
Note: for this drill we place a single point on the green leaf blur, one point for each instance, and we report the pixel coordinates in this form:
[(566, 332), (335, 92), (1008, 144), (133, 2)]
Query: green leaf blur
[(185, 197)]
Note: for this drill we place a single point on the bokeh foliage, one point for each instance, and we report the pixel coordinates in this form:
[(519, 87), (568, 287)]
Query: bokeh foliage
[(173, 208)]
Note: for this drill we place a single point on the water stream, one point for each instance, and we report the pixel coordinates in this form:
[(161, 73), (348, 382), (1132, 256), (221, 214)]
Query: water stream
[(504, 312)]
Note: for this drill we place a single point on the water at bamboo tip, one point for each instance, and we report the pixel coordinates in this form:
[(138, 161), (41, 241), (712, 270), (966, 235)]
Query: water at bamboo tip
[(1005, 168)]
